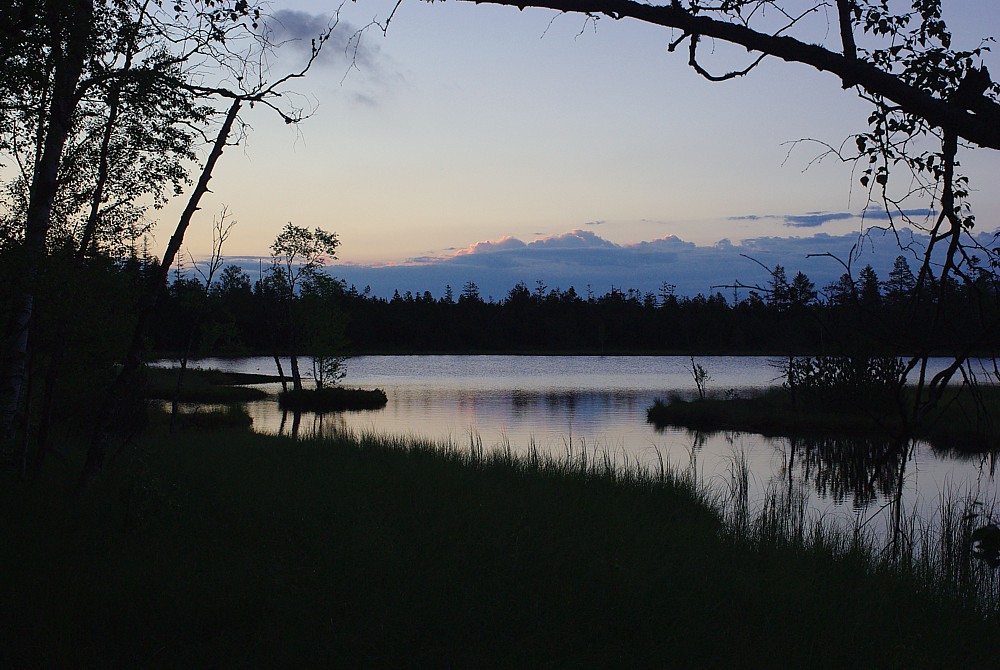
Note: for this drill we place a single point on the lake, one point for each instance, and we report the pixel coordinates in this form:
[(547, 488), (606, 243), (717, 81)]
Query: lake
[(568, 405)]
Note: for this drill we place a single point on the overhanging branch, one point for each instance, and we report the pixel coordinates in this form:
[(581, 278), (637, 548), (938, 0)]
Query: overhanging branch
[(981, 128)]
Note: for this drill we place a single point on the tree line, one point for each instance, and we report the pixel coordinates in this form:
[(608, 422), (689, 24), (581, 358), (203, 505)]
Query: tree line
[(784, 316)]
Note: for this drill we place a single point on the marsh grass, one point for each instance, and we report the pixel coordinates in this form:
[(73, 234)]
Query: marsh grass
[(934, 553), (203, 416), (204, 386), (225, 548)]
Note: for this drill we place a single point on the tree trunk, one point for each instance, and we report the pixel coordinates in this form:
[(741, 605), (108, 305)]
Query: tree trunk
[(66, 76), (86, 241), (125, 381), (178, 389), (281, 373), (296, 376), (185, 357), (293, 343)]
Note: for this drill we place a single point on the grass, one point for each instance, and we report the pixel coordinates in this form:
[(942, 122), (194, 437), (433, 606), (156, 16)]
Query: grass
[(204, 386), (230, 415), (224, 548), (332, 398), (959, 423)]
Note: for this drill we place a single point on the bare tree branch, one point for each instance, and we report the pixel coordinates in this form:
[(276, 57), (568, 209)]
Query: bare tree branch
[(980, 127)]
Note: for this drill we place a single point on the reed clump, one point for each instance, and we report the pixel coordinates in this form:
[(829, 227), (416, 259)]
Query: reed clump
[(932, 553)]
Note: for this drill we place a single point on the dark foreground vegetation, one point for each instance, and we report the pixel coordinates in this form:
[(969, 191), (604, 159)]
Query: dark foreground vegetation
[(227, 548)]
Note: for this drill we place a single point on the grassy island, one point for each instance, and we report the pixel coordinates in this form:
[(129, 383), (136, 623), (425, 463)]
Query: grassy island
[(960, 423), (332, 399), (842, 396)]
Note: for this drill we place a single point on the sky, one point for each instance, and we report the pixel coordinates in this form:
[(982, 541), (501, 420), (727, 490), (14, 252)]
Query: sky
[(483, 143)]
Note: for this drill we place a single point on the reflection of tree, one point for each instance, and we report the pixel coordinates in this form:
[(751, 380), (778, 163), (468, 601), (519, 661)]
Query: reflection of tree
[(317, 424), (863, 469)]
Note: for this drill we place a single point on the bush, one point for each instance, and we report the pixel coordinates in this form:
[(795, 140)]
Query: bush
[(838, 381)]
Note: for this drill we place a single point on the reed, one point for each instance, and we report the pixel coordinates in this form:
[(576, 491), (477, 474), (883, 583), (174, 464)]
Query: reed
[(934, 552)]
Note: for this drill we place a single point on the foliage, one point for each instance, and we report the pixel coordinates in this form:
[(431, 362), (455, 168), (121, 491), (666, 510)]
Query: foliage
[(324, 327), (298, 253), (328, 370), (103, 106), (297, 256), (701, 378), (836, 381)]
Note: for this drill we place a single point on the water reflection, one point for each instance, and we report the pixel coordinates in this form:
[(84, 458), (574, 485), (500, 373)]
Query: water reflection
[(558, 404), (861, 469)]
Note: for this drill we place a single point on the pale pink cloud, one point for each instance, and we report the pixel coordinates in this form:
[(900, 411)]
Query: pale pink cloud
[(575, 239), (486, 246)]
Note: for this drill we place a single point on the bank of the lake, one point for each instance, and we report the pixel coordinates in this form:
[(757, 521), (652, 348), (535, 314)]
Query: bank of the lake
[(229, 548), (573, 404), (212, 386)]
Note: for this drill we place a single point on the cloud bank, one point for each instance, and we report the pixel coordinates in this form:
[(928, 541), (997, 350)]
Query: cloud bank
[(582, 259), (818, 219)]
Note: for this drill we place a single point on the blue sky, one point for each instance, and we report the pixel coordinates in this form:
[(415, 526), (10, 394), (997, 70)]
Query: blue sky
[(470, 124)]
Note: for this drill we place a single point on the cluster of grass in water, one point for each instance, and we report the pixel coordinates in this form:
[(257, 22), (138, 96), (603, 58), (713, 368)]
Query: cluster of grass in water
[(227, 548), (934, 553)]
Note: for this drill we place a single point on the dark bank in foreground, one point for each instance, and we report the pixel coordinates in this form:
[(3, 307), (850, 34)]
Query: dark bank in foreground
[(228, 548)]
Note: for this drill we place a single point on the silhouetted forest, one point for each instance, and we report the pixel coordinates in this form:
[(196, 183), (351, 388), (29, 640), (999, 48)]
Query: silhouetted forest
[(788, 315)]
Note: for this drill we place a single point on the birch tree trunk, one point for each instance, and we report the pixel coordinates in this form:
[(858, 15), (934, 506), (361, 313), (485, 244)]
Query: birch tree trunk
[(77, 17)]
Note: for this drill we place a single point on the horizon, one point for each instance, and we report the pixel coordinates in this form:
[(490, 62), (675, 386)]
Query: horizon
[(584, 261)]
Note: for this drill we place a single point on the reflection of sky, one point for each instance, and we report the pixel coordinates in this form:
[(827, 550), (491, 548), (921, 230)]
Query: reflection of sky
[(564, 405)]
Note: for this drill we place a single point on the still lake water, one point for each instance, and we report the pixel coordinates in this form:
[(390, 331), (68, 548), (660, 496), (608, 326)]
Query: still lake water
[(574, 404)]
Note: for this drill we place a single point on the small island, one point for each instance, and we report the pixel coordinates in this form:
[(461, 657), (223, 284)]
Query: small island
[(332, 399), (838, 396)]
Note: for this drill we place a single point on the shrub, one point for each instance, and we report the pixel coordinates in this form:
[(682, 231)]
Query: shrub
[(838, 381)]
